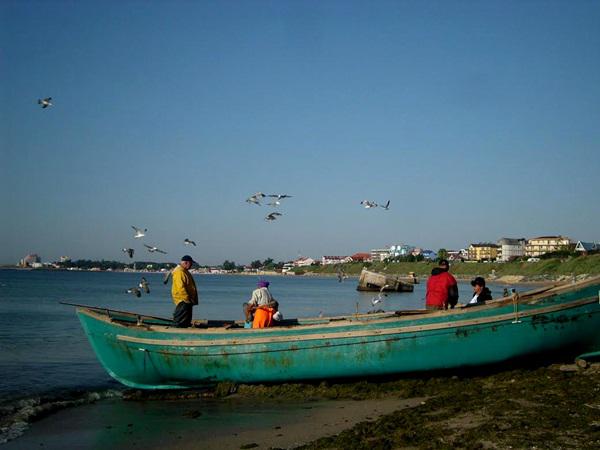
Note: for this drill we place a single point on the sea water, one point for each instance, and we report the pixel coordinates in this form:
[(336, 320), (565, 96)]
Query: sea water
[(45, 356)]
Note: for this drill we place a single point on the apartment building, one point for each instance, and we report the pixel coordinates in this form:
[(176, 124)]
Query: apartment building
[(509, 249), (379, 254), (484, 251), (546, 244)]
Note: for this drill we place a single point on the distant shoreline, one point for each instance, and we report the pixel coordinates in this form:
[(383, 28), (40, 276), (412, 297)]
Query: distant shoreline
[(504, 279)]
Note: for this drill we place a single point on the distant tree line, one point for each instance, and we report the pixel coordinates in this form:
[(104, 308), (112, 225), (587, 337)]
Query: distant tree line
[(87, 264), (267, 264)]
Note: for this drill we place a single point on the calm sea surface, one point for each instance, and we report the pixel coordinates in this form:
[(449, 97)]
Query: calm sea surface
[(43, 348)]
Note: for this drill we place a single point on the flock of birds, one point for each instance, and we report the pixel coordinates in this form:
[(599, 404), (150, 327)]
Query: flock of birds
[(140, 233), (143, 284), (256, 199)]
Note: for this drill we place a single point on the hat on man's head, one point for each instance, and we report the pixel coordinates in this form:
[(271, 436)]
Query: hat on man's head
[(478, 281), (263, 283), (188, 258), (443, 262)]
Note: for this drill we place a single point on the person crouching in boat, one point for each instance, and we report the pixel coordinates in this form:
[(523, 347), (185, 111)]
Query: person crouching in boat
[(183, 292), (480, 293), (262, 308), (442, 289)]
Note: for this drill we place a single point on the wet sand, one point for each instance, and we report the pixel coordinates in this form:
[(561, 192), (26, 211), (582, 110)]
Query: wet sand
[(212, 424)]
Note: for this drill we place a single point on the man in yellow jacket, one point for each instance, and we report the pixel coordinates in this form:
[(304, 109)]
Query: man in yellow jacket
[(183, 292)]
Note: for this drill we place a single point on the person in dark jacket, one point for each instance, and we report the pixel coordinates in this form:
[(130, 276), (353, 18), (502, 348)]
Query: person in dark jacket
[(480, 293), (442, 290)]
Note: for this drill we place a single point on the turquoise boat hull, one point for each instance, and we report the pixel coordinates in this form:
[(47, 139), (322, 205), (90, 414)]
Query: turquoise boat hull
[(149, 353)]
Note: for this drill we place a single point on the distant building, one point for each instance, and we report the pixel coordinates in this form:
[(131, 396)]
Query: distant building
[(287, 267), (546, 244), (361, 257), (379, 254), (335, 260), (29, 260), (401, 250), (65, 259), (483, 251), (586, 247), (458, 255), (303, 262), (510, 249), (429, 254)]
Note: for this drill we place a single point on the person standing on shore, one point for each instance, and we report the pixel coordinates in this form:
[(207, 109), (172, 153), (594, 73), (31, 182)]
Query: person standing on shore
[(442, 289), (183, 292)]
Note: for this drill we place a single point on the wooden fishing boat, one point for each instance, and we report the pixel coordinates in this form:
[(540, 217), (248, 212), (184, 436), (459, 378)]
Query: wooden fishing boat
[(150, 353), (374, 281)]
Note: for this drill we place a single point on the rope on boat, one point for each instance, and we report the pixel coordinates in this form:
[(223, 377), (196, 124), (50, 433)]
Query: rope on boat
[(515, 299)]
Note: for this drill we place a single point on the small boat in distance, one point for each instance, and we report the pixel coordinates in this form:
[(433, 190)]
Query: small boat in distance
[(374, 281), (151, 353)]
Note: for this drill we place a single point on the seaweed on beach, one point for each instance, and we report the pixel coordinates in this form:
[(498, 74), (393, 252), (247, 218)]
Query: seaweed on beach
[(549, 407)]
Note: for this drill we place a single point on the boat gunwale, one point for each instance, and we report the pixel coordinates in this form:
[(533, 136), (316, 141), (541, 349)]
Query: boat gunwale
[(201, 341), (357, 333), (529, 297)]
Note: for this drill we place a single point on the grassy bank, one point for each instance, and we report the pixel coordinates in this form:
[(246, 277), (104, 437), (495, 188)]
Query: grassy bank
[(544, 269)]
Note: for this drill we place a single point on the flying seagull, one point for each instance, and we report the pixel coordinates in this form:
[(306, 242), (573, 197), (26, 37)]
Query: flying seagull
[(166, 277), (386, 206), (135, 291), (272, 216), (379, 297), (139, 232), (279, 196), (186, 241), (368, 204), (341, 275), (153, 249), (129, 251), (254, 200), (144, 285), (274, 204), (45, 102)]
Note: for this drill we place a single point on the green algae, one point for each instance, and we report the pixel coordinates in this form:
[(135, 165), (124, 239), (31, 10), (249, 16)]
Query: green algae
[(545, 408)]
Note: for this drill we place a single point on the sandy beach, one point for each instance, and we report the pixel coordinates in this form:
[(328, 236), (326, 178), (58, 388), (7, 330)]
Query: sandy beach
[(556, 406), (183, 424)]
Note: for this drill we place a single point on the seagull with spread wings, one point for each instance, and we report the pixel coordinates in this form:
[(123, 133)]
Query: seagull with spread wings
[(135, 291), (272, 216), (144, 285), (381, 295), (153, 249), (45, 102), (139, 232)]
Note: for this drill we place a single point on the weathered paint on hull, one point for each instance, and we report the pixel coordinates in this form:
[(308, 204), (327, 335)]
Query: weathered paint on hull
[(162, 357)]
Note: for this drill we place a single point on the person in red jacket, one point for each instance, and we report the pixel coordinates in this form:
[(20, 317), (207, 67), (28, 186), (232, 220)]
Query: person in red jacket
[(442, 290)]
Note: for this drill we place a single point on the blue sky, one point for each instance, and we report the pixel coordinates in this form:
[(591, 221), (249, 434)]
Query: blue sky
[(478, 120)]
